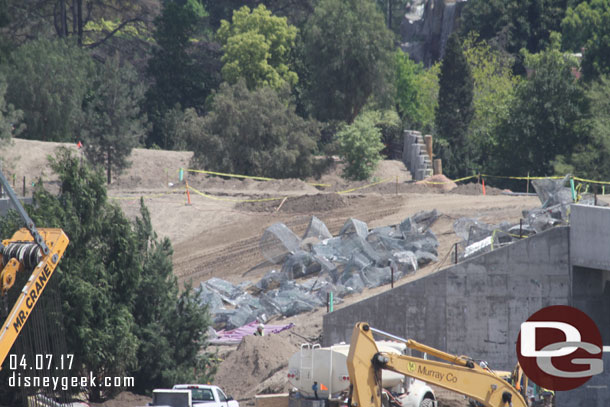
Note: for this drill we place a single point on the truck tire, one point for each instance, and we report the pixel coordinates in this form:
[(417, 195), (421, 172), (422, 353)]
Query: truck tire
[(426, 403)]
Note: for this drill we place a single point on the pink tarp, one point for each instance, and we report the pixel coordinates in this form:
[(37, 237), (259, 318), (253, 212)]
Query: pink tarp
[(234, 336)]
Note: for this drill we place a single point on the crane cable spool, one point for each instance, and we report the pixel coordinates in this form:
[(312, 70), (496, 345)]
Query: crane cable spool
[(27, 253)]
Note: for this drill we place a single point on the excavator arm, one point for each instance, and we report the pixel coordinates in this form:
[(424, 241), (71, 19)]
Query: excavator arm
[(29, 250), (459, 374)]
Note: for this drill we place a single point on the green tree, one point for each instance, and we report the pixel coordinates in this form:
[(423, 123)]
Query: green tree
[(588, 26), (254, 133), (256, 47), (171, 326), (348, 50), (589, 159), (360, 147), (455, 110), (416, 92), (545, 118), (184, 66), (514, 24), (114, 123), (48, 81), (10, 119), (120, 301), (494, 90)]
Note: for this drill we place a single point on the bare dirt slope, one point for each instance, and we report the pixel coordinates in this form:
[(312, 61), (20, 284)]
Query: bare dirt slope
[(218, 234)]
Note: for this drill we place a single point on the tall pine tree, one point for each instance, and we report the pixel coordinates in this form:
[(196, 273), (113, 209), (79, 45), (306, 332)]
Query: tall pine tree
[(455, 110)]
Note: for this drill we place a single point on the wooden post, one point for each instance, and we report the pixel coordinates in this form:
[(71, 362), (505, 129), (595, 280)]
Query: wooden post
[(456, 252), (188, 194), (428, 143), (438, 166), (24, 185), (527, 188), (520, 228)]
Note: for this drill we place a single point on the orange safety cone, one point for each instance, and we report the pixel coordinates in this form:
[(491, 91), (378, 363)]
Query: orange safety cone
[(483, 180), (188, 193)]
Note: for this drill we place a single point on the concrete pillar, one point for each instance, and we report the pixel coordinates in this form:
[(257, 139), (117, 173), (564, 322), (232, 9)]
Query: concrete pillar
[(438, 166)]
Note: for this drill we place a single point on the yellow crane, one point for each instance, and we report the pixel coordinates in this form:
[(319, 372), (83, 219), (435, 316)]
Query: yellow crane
[(28, 250), (457, 373)]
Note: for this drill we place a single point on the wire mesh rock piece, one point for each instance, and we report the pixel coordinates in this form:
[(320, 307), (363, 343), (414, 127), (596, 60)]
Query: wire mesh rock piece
[(209, 297), (300, 264), (270, 281), (277, 242), (354, 226), (552, 192), (317, 229), (224, 288)]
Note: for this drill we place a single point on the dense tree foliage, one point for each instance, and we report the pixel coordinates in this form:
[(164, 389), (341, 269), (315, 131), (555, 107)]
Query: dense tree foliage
[(349, 52), (360, 146), (514, 24), (589, 159), (10, 119), (48, 81), (113, 122), (254, 133), (587, 27), (178, 66), (120, 300), (416, 92), (545, 118), (494, 90), (455, 110), (256, 47)]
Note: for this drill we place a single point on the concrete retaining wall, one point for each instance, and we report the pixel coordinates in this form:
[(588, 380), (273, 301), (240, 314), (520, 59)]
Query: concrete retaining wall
[(474, 308)]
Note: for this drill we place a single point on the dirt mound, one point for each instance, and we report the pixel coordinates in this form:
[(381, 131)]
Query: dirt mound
[(255, 360), (152, 169), (206, 181), (438, 182), (298, 204), (28, 158), (473, 188)]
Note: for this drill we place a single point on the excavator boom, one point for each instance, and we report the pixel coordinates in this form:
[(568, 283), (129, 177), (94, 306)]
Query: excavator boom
[(30, 249), (461, 375)]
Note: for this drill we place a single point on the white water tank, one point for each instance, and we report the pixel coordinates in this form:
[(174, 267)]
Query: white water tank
[(328, 367)]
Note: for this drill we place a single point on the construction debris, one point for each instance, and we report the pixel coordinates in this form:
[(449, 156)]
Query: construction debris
[(479, 237), (355, 259)]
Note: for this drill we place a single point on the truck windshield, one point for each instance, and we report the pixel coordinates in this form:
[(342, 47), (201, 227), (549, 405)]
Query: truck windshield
[(202, 395)]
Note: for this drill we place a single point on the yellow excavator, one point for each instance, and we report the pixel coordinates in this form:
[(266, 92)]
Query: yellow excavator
[(457, 373), (30, 250)]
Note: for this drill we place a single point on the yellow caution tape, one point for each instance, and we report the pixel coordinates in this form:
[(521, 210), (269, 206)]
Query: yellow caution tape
[(234, 200), (591, 181), (522, 178), (365, 186), (448, 182), (222, 174)]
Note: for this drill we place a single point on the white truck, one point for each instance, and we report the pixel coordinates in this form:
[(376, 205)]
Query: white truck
[(192, 395), (321, 373)]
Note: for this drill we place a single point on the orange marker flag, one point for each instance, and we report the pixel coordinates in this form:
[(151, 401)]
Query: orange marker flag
[(483, 179), (322, 387)]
